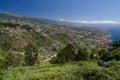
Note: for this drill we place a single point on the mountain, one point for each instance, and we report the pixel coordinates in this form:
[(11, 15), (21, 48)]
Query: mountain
[(28, 42), (49, 33), (15, 18)]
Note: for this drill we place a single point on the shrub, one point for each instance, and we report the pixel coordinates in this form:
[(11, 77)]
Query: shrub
[(116, 44), (53, 60), (30, 54), (5, 44), (9, 60), (82, 54), (85, 53), (94, 73), (111, 55), (13, 60), (67, 54), (3, 56)]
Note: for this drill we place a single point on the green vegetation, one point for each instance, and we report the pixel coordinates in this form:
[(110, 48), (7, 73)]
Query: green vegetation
[(9, 59), (112, 54), (39, 49), (66, 55), (83, 54), (30, 54), (83, 70)]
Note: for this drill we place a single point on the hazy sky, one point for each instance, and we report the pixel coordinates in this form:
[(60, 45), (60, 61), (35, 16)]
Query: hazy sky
[(102, 10)]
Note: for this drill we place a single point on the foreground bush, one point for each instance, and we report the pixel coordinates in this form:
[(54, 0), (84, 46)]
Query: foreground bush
[(10, 60), (67, 71), (90, 73)]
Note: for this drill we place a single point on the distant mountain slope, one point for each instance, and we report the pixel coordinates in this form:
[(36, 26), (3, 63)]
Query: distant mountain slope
[(48, 34), (5, 16), (15, 18)]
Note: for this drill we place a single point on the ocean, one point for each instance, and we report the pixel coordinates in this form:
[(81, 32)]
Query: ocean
[(115, 33), (113, 30)]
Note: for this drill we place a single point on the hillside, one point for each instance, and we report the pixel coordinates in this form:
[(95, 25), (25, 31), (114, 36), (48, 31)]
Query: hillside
[(70, 71), (40, 49), (51, 35), (48, 36)]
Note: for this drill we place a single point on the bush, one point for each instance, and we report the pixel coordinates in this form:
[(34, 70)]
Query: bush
[(67, 54), (30, 54), (9, 60), (82, 54), (116, 44), (53, 60), (94, 73), (5, 44), (86, 53), (13, 60), (111, 55), (3, 56)]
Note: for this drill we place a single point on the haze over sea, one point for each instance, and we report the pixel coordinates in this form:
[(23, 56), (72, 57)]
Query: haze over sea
[(113, 30)]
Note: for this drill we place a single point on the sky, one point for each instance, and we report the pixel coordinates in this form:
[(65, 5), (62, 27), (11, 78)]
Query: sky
[(85, 11)]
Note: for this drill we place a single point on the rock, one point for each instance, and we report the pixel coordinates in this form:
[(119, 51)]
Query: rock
[(101, 63)]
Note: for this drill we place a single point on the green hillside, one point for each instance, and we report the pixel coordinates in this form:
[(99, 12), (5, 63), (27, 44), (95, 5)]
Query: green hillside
[(48, 34), (40, 49), (69, 71)]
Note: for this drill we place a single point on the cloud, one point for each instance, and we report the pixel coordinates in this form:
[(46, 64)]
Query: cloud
[(99, 22), (61, 19), (96, 22)]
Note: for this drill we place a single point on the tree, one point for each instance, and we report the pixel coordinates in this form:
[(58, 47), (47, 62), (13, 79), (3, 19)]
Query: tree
[(112, 54), (30, 54), (67, 54), (5, 44), (94, 54), (116, 44), (82, 54)]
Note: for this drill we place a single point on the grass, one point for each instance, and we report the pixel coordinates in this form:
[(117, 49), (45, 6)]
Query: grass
[(37, 72), (83, 70)]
